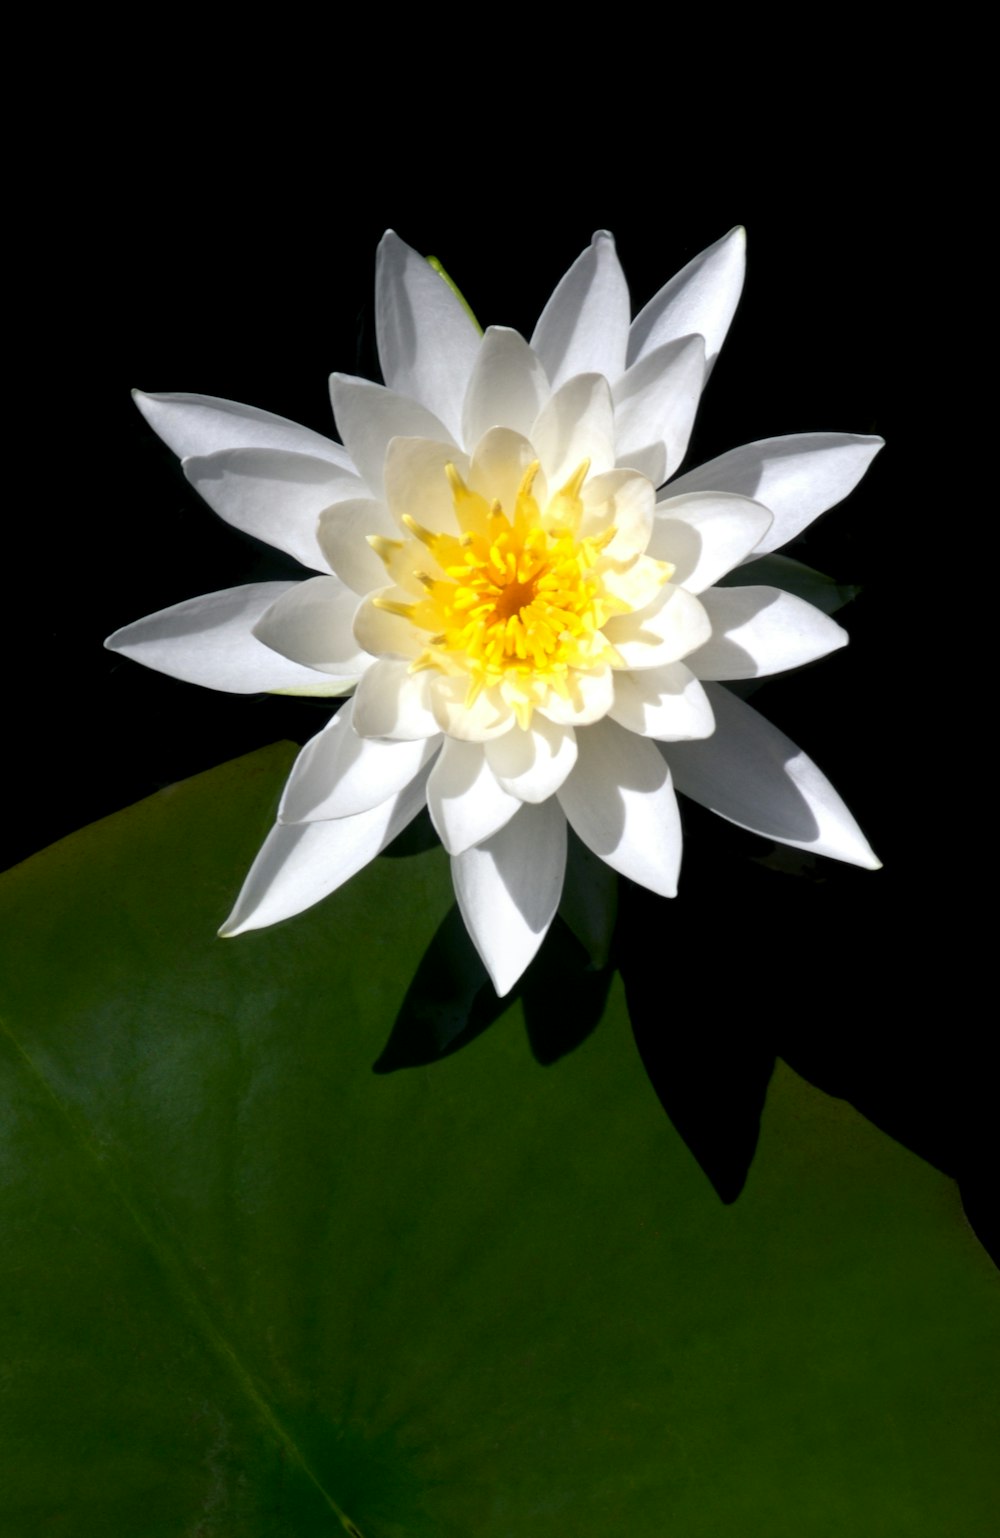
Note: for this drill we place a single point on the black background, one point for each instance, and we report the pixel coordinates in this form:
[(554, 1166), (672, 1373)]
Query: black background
[(242, 266)]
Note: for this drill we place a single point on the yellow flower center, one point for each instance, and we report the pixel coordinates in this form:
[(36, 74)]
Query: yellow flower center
[(515, 600)]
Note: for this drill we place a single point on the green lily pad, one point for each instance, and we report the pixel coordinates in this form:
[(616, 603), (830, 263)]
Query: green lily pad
[(253, 1289)]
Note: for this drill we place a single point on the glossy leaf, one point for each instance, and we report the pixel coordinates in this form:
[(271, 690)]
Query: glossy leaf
[(253, 1289)]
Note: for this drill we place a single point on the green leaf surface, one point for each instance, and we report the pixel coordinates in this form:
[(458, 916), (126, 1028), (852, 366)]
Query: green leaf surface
[(251, 1287)]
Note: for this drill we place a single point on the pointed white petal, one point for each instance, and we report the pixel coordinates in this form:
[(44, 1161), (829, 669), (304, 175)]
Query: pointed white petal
[(210, 641), (508, 387), (705, 534), (667, 703), (499, 462), (342, 538), (753, 775), (701, 300), (797, 477), (591, 696), (383, 634), (204, 424), (656, 402), (584, 327), (273, 495), (313, 624), (395, 703), (417, 484), (622, 805), (488, 716), (427, 340), (533, 764), (622, 499), (667, 630), (758, 630), (577, 424), (466, 804), (369, 416), (300, 863), (508, 890), (339, 774)]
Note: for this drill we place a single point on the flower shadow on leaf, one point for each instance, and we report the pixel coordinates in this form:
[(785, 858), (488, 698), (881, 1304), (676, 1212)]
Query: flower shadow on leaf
[(451, 1000)]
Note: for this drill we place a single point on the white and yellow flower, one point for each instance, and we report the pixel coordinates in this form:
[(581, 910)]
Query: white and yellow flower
[(529, 631)]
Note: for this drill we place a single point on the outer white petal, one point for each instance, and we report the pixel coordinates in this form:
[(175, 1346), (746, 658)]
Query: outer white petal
[(313, 624), (667, 630), (753, 775), (508, 890), (797, 477), (758, 630), (701, 300), (705, 534), (622, 805), (369, 416), (339, 774), (466, 804), (393, 702), (584, 327), (508, 387), (533, 764), (301, 863), (273, 495), (342, 538), (578, 423), (204, 424), (655, 406), (666, 703), (427, 340), (210, 641)]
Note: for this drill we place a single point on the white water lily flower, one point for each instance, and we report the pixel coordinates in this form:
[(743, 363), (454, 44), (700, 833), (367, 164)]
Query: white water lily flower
[(530, 632)]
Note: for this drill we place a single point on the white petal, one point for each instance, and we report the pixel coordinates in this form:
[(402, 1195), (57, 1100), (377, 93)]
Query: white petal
[(210, 641), (622, 805), (417, 484), (667, 703), (584, 327), (705, 534), (204, 424), (753, 775), (273, 495), (465, 802), (667, 630), (758, 630), (577, 424), (383, 634), (533, 764), (427, 340), (508, 387), (393, 702), (488, 716), (342, 538), (624, 499), (339, 774), (369, 416), (591, 696), (499, 462), (313, 624), (797, 478), (701, 300), (508, 890), (300, 863), (655, 406)]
